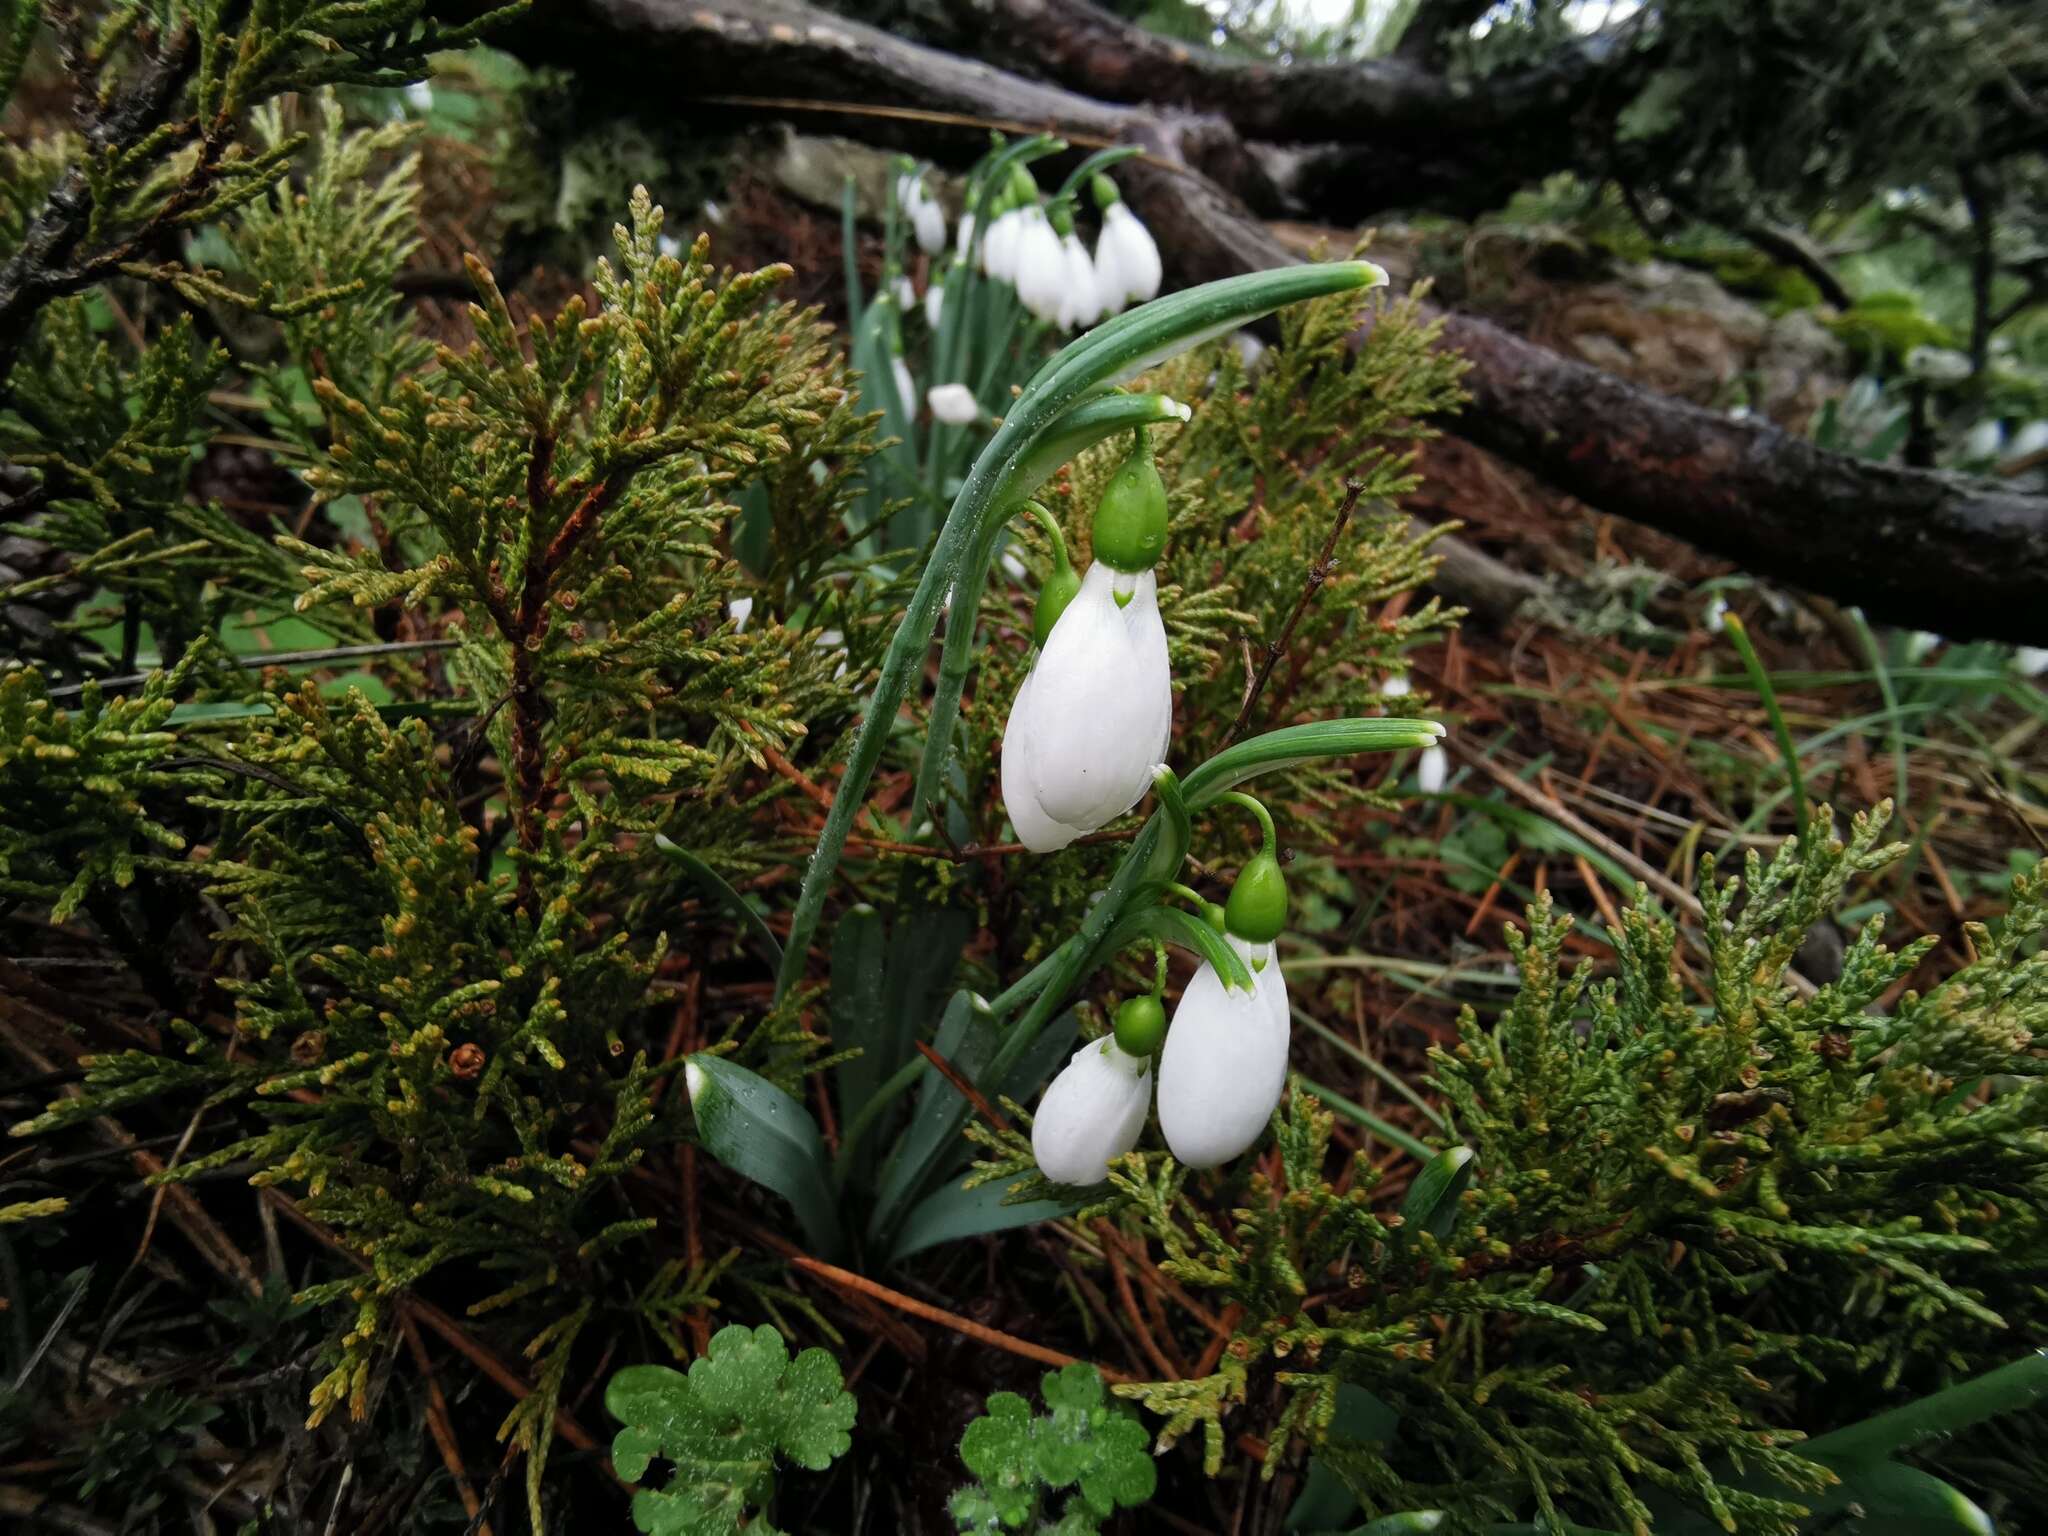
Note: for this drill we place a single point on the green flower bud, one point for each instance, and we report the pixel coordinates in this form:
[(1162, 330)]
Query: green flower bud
[(1257, 909), (1141, 1025), (1061, 583), (1104, 190), (1215, 917), (1130, 520)]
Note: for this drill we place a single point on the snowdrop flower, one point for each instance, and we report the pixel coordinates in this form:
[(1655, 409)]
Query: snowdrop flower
[(963, 233), (1432, 768), (999, 245), (934, 303), (1094, 1111), (905, 292), (954, 404), (2030, 660), (420, 95), (1040, 266), (1093, 716), (1225, 1063), (1250, 350), (669, 246), (1081, 298), (927, 218), (1126, 258), (1921, 644), (1716, 615), (740, 609), (906, 387), (1396, 686)]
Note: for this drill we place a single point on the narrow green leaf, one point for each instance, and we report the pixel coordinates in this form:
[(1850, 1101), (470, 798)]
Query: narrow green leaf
[(952, 1212), (2014, 1388), (968, 1039), (713, 885)]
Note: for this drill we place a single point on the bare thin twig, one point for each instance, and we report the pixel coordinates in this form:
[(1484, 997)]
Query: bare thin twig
[(1318, 573)]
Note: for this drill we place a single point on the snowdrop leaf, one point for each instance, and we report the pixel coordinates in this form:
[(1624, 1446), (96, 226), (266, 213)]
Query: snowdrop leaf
[(763, 1134), (1301, 744), (953, 1212), (713, 885), (1432, 1203)]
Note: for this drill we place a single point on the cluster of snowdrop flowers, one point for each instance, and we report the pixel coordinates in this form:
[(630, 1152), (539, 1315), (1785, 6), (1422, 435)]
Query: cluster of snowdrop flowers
[(1086, 738), (1034, 247), (1221, 1065)]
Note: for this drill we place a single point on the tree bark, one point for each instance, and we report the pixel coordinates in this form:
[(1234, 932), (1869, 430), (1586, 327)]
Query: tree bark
[(1914, 547)]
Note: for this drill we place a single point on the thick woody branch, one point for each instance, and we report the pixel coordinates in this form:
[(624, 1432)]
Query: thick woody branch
[(1918, 547)]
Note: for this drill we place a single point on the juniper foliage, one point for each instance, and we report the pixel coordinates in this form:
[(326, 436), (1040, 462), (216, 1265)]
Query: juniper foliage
[(1692, 1227)]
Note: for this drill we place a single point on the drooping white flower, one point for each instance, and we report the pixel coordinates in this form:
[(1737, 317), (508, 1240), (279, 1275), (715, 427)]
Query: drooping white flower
[(906, 387), (1126, 259), (905, 292), (1092, 716), (934, 303), (2030, 660), (927, 218), (963, 235), (1081, 298), (999, 245), (1716, 616), (1921, 644), (1225, 1063), (1041, 267), (1396, 686), (1094, 1110), (1250, 350), (739, 610), (420, 95), (1432, 768), (831, 640), (954, 404)]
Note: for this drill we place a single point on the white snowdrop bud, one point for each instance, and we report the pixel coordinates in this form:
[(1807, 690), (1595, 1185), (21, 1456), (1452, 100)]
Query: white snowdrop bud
[(954, 404), (1093, 714), (1225, 1062), (1432, 768), (1094, 1111)]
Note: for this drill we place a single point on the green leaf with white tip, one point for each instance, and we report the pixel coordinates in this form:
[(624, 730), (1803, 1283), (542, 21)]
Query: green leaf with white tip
[(1432, 1203), (763, 1134)]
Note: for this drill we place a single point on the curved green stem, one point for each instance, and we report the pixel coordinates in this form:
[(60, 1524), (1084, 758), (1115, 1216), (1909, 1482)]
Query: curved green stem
[(1101, 160), (1051, 525), (1265, 818)]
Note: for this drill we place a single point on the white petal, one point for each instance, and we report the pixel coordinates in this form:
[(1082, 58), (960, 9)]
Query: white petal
[(963, 236), (1137, 256), (1716, 616), (1093, 743), (1080, 300), (740, 609), (1432, 769), (1263, 961), (906, 295), (906, 387), (2030, 660), (1147, 633), (930, 219), (1094, 1110), (1035, 830), (954, 404), (1040, 268), (1222, 1072), (934, 304), (1396, 686)]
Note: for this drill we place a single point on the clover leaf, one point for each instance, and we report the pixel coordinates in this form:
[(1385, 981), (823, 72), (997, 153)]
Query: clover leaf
[(1085, 1442), (742, 1406)]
